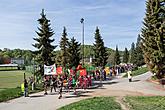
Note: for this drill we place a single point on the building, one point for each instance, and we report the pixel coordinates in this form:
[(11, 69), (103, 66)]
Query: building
[(19, 61)]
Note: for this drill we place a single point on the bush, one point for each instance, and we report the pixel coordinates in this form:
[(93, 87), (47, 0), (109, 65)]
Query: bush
[(140, 71)]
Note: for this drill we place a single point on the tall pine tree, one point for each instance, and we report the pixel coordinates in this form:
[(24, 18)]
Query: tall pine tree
[(100, 52), (139, 59), (153, 37), (74, 53), (117, 60), (133, 53), (126, 56), (64, 48), (44, 41)]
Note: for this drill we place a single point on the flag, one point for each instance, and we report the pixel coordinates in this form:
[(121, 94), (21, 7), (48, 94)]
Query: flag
[(83, 72), (59, 70), (50, 70)]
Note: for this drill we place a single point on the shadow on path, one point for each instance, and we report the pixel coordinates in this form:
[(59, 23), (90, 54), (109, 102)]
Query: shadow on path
[(135, 80), (35, 96), (79, 94)]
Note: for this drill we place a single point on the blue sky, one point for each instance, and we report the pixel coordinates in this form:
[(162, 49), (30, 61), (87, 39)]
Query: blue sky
[(119, 21)]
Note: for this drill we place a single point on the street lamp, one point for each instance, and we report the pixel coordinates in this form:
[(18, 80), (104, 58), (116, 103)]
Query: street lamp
[(82, 22)]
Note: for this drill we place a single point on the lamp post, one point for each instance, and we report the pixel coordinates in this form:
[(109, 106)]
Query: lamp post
[(82, 22)]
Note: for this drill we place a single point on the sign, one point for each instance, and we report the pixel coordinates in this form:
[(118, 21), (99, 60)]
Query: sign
[(50, 70)]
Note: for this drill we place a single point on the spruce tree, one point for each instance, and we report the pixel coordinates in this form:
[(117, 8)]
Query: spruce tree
[(139, 60), (100, 52), (44, 46), (64, 48), (126, 56), (133, 53), (117, 57), (74, 52), (153, 37)]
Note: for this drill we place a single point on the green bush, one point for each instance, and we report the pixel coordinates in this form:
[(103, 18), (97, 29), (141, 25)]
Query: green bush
[(138, 72), (96, 103)]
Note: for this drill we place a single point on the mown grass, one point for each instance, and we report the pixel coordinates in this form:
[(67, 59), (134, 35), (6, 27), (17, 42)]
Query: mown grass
[(11, 93), (10, 82), (12, 79), (140, 71), (96, 103), (146, 103)]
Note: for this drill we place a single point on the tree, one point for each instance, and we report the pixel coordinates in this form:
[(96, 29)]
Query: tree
[(133, 53), (64, 48), (139, 59), (74, 53), (44, 46), (117, 57), (153, 37), (126, 56), (100, 52)]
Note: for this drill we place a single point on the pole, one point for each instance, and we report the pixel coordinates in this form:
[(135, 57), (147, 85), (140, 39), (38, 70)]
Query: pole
[(24, 76), (82, 22)]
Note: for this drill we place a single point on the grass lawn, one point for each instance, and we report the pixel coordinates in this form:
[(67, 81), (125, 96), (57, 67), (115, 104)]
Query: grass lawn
[(96, 103), (11, 79), (146, 103), (138, 72)]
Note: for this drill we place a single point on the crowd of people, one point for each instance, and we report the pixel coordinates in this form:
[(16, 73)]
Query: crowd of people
[(65, 81)]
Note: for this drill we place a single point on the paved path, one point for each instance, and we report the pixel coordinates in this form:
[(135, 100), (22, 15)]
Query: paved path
[(117, 87)]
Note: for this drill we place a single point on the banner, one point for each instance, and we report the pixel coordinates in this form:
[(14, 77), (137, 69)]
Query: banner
[(50, 70)]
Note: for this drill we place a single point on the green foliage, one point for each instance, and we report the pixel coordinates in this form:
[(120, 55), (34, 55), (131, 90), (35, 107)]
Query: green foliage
[(139, 71), (43, 41), (74, 52), (45, 49), (133, 54), (88, 51), (96, 103), (153, 37), (100, 52), (27, 55), (126, 56), (64, 48), (139, 59), (146, 103), (117, 57)]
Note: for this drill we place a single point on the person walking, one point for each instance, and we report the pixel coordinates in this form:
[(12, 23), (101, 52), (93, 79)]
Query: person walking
[(25, 88), (129, 75), (60, 85)]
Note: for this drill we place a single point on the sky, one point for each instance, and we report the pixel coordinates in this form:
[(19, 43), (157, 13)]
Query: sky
[(119, 21)]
